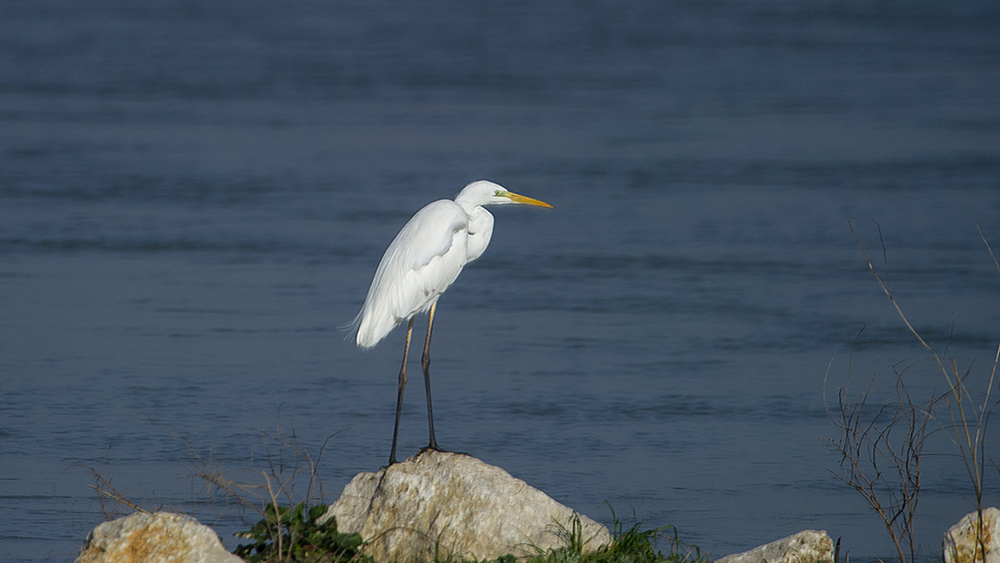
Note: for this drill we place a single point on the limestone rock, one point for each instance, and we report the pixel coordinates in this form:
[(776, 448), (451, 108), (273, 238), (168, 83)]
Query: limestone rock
[(807, 546), (163, 537), (960, 545), (453, 506)]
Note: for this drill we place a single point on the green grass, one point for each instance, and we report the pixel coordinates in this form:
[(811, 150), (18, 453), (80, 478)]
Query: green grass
[(628, 545), (293, 535)]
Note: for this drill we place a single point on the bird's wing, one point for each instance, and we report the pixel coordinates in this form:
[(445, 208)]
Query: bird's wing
[(433, 254), (431, 233), (421, 262)]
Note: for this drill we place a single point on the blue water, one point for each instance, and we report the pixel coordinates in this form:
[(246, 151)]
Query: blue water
[(194, 196)]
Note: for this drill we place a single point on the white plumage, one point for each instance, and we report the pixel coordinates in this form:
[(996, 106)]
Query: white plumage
[(427, 256), (423, 260)]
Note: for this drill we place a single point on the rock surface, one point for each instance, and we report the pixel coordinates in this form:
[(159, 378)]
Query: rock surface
[(162, 536), (446, 506), (807, 546), (453, 506), (960, 545)]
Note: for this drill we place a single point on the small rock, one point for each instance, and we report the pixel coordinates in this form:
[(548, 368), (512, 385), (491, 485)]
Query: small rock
[(807, 546), (162, 537), (437, 506), (960, 545)]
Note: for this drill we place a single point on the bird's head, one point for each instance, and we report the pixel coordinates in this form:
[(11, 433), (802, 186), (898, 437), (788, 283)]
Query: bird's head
[(484, 192)]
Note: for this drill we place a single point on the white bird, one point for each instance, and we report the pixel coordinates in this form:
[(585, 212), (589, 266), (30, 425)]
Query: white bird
[(422, 261)]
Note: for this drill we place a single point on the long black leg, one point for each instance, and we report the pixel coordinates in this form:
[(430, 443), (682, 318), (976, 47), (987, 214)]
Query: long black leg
[(399, 398), (426, 363)]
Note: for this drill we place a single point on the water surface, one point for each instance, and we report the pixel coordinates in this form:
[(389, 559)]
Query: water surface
[(193, 199)]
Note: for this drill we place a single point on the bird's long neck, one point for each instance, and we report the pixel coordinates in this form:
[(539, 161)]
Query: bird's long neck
[(480, 232), (468, 205)]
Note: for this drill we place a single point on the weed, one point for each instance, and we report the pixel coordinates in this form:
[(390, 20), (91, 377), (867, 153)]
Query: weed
[(628, 545), (881, 446), (295, 535)]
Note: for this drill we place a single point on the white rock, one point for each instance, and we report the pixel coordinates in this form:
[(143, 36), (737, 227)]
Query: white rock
[(162, 537), (807, 546), (960, 545), (453, 506)]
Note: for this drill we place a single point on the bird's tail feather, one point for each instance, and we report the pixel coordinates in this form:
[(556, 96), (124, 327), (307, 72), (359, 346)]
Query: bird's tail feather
[(351, 328)]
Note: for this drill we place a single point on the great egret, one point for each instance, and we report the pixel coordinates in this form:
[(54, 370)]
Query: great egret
[(422, 261)]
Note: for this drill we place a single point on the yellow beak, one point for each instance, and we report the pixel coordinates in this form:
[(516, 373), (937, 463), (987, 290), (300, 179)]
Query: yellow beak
[(515, 198)]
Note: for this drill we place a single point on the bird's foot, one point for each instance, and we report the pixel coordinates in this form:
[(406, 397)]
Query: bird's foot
[(435, 448), (432, 447)]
